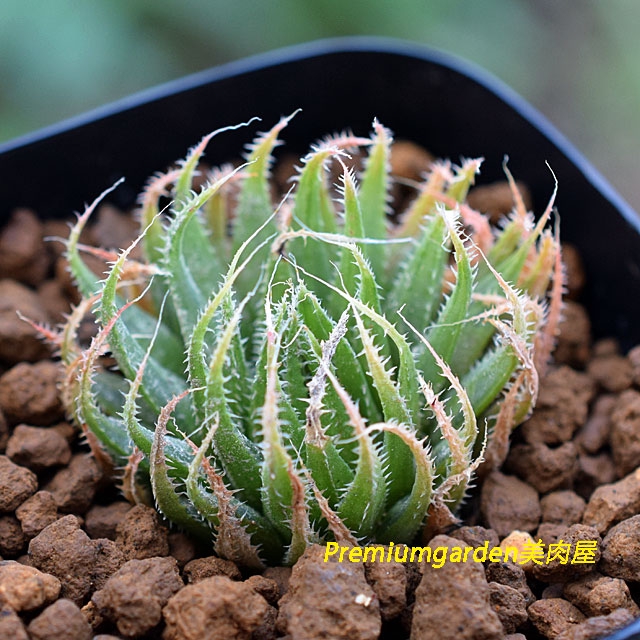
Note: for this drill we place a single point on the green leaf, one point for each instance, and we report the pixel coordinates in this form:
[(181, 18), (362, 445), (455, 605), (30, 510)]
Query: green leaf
[(417, 288), (168, 497), (406, 516), (363, 500), (346, 362), (464, 179), (407, 373), (295, 373), (241, 533), (184, 182), (367, 294), (474, 338), (353, 228), (107, 429), (254, 205), (159, 383), (239, 456), (424, 204), (374, 196), (283, 496), (328, 467), (217, 213), (154, 239), (394, 407), (454, 467), (85, 279), (399, 403), (174, 449), (313, 210), (222, 299), (444, 333), (489, 375), (192, 273)]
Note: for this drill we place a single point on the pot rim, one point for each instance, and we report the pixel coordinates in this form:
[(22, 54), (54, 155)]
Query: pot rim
[(348, 44)]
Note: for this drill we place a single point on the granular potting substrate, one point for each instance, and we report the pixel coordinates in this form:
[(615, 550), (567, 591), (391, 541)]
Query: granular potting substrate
[(80, 562)]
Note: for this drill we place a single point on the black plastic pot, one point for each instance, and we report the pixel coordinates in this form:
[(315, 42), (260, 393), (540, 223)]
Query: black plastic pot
[(449, 106)]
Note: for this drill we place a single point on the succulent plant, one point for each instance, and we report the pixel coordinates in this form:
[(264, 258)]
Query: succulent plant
[(315, 370)]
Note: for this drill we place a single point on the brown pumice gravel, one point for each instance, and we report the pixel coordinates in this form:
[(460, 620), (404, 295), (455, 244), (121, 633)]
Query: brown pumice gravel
[(625, 432), (563, 405), (560, 570), (38, 448), (216, 608), (53, 301), (554, 616), (389, 582), (203, 568), (476, 536), (65, 551), (133, 596), (23, 254), (510, 575), (598, 595), (562, 507), (74, 487), (281, 576), (329, 595), (496, 200), (542, 467), (4, 432), (16, 484), (19, 342), (266, 587), (29, 394), (612, 372), (12, 538), (594, 434), (612, 503), (60, 621), (598, 627), (36, 513), (25, 588), (594, 471), (621, 550), (463, 596), (140, 534), (509, 604), (574, 342), (11, 625), (101, 521), (507, 503)]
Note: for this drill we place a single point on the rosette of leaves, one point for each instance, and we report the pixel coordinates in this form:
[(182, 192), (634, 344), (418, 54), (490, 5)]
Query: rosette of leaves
[(313, 369)]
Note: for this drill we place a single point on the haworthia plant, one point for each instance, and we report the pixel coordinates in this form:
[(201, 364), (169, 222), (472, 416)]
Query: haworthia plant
[(313, 369)]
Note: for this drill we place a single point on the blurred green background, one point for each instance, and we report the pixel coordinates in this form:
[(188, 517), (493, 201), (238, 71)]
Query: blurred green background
[(578, 62)]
